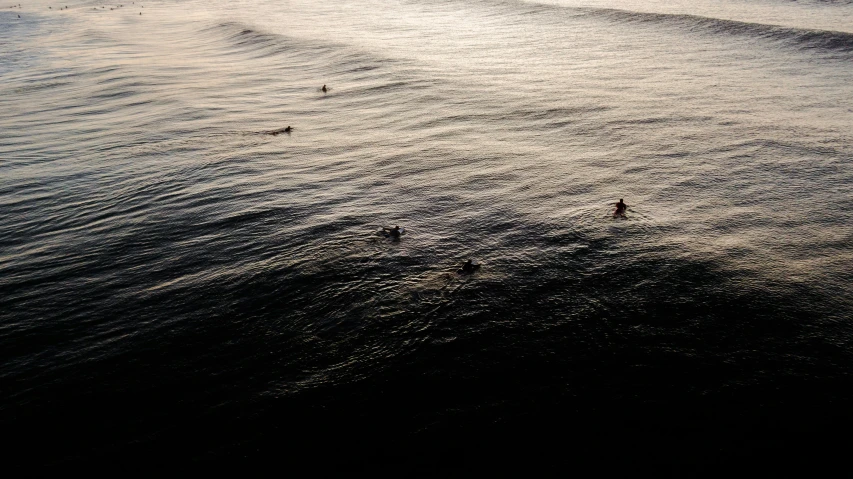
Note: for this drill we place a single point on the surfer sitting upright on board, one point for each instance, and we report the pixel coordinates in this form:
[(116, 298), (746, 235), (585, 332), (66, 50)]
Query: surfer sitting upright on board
[(620, 208), (393, 232)]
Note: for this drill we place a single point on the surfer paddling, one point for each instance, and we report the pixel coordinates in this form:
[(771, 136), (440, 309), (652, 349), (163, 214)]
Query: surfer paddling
[(279, 131)]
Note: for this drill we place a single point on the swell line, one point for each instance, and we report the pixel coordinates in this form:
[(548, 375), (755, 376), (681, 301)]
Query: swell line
[(803, 39)]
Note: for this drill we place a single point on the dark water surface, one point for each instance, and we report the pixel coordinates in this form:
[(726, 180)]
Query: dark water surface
[(179, 286)]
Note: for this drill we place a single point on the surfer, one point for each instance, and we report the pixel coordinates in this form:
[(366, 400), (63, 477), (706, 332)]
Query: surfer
[(620, 208), (324, 88), (469, 267), (393, 232), (275, 132)]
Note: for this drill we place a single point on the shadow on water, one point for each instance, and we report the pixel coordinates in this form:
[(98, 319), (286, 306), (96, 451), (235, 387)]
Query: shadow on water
[(574, 359)]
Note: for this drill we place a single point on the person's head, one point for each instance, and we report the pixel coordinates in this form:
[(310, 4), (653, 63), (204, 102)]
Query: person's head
[(621, 200), (469, 262)]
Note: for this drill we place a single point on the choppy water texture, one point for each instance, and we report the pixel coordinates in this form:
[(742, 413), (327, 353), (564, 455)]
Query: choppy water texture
[(182, 282)]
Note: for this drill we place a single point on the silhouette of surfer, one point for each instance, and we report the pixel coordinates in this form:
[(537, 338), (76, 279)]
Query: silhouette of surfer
[(393, 232), (621, 207), (324, 88), (469, 267), (277, 132)]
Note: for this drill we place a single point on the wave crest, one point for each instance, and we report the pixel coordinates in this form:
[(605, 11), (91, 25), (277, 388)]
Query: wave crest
[(806, 39)]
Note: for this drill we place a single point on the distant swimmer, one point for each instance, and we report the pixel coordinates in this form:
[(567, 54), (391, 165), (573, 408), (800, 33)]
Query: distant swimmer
[(621, 207), (324, 88), (469, 267)]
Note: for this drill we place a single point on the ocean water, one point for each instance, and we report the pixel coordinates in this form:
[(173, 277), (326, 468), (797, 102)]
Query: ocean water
[(184, 284)]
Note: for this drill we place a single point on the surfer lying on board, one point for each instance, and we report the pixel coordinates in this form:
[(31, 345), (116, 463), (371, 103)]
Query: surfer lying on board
[(279, 131), (620, 208)]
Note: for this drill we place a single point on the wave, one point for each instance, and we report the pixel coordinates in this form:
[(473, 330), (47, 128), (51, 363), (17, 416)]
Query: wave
[(805, 39), (308, 55), (247, 39)]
